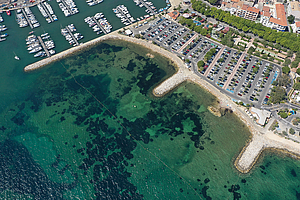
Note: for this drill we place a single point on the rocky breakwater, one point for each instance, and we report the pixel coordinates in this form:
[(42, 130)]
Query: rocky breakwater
[(113, 35), (66, 53), (170, 83), (260, 142)]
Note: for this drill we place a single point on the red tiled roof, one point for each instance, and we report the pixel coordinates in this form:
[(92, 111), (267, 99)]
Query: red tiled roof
[(266, 9), (244, 7), (281, 17), (174, 14), (267, 14), (250, 9), (297, 24)]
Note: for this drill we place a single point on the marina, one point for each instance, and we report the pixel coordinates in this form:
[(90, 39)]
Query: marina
[(99, 23), (18, 35), (122, 13), (93, 2), (21, 19), (47, 11), (36, 43), (70, 36), (68, 7), (147, 4), (33, 23)]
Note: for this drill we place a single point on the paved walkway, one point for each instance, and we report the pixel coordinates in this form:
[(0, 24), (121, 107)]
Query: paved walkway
[(238, 64), (188, 42), (214, 61)]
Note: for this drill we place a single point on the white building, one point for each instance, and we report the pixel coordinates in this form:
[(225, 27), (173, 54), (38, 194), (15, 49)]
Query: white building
[(260, 115)]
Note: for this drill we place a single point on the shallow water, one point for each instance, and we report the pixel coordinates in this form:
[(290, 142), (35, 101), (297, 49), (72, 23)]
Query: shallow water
[(88, 127)]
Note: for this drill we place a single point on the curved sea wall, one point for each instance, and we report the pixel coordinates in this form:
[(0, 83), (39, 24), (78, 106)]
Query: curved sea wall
[(113, 35)]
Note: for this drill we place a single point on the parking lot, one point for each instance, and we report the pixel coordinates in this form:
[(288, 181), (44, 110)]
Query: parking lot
[(251, 82)]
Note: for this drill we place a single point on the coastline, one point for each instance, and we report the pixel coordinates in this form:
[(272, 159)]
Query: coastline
[(258, 141)]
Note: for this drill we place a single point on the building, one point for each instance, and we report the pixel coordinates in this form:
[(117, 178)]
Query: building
[(260, 115), (232, 7), (128, 32), (294, 9), (187, 2), (265, 15), (248, 12), (280, 22), (174, 14), (186, 15), (296, 27)]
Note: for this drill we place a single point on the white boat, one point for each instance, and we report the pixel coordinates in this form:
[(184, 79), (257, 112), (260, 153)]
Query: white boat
[(17, 58), (45, 34), (35, 50), (46, 37), (38, 54)]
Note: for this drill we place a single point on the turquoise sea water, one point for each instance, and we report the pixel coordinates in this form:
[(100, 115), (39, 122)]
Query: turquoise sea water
[(11, 70), (88, 127)]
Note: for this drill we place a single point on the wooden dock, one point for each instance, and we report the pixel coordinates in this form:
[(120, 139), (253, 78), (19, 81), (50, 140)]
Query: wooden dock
[(44, 46), (124, 15), (47, 11), (70, 32), (148, 7), (29, 22), (67, 6), (100, 26)]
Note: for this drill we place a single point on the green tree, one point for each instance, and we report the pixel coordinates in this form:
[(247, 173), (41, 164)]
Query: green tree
[(286, 70), (278, 94), (284, 80), (296, 86), (283, 114), (251, 50), (292, 131), (286, 62), (298, 71), (200, 64), (291, 19)]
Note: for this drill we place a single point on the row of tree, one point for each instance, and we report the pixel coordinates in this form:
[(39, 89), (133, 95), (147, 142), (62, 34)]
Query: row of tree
[(286, 39)]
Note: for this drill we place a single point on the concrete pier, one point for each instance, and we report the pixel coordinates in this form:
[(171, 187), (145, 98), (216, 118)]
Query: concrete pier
[(70, 32), (148, 7), (43, 45), (100, 26), (25, 15), (47, 11)]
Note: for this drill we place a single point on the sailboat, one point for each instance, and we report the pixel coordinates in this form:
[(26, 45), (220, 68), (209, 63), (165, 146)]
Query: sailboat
[(16, 57)]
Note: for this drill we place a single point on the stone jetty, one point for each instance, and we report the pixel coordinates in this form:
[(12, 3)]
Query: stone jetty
[(260, 142), (170, 83)]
